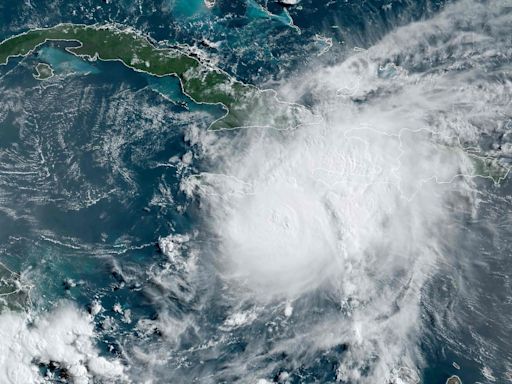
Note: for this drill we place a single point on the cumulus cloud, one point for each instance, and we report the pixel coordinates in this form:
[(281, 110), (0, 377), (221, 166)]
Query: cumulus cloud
[(64, 338)]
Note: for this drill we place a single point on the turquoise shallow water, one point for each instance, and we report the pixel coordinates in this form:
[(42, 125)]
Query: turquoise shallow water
[(65, 63), (183, 8), (91, 169)]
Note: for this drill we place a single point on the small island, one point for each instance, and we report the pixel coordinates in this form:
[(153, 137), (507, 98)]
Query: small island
[(454, 380), (43, 71), (245, 105)]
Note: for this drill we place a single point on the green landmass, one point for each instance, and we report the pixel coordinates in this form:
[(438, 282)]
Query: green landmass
[(201, 82), (489, 167), (13, 293), (454, 380), (43, 71)]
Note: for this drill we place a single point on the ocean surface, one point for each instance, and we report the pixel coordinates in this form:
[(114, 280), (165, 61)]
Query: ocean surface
[(371, 246)]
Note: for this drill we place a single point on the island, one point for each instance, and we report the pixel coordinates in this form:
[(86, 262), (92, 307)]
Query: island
[(245, 105), (454, 380), (43, 71)]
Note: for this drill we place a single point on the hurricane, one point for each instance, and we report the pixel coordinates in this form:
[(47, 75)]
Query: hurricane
[(362, 203)]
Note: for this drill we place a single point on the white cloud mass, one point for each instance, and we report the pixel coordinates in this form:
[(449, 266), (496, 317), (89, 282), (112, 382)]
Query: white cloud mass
[(64, 336), (362, 203)]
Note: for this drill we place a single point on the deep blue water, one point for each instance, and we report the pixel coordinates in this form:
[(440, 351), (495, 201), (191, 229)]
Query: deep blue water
[(94, 185)]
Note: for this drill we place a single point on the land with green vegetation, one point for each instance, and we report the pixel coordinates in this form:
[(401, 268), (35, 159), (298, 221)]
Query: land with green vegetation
[(43, 71), (200, 81), (489, 167), (14, 293)]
